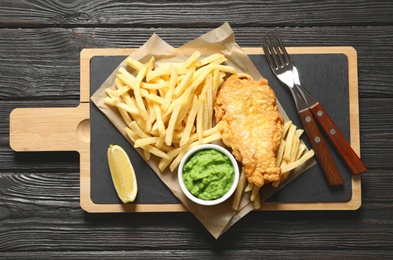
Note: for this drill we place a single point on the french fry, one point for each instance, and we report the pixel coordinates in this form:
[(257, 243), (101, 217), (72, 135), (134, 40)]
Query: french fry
[(239, 191), (299, 162), (154, 150), (163, 164), (211, 138), (254, 192), (170, 92), (126, 117), (257, 202), (150, 65), (120, 105), (205, 116), (159, 121), (285, 128), (209, 101), (224, 68), (210, 59), (191, 60), (199, 76), (280, 152), (120, 91), (199, 117), (249, 187), (178, 158), (294, 148), (288, 144), (135, 64), (157, 86), (299, 132), (146, 141), (160, 142), (134, 126), (300, 151), (131, 134), (162, 72), (217, 80), (190, 122), (137, 92), (184, 83), (172, 122), (186, 101)]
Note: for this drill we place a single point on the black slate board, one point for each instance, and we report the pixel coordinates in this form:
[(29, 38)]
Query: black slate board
[(324, 75)]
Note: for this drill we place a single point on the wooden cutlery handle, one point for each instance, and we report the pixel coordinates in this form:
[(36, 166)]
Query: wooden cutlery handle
[(319, 146), (351, 159)]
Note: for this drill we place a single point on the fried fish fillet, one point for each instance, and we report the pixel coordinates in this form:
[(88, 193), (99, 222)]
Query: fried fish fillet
[(252, 126)]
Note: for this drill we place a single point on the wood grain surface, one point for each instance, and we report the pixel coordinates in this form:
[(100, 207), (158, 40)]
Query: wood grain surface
[(40, 215)]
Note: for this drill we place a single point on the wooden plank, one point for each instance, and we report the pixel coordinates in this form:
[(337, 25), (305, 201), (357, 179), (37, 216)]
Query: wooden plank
[(151, 13), (25, 77), (206, 253), (54, 222)]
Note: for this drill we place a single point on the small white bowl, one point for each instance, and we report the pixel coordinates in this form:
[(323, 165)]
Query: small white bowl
[(208, 147)]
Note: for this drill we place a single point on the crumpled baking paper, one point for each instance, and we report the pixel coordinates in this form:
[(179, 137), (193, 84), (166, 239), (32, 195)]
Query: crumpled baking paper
[(219, 218)]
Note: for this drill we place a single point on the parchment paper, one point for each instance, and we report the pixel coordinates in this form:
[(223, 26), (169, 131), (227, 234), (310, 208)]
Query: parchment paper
[(217, 219)]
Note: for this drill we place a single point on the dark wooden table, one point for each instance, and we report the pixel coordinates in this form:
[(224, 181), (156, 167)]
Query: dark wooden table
[(40, 215)]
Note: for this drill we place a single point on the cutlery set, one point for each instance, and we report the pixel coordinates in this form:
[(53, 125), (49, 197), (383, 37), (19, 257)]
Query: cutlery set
[(311, 113)]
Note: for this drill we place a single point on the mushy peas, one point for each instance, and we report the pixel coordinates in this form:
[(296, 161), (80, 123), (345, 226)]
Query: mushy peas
[(208, 174)]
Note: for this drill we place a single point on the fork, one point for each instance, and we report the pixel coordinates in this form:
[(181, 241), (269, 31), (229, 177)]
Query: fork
[(285, 70)]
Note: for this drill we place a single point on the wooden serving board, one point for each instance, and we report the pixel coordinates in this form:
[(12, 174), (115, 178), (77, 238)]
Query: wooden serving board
[(86, 130)]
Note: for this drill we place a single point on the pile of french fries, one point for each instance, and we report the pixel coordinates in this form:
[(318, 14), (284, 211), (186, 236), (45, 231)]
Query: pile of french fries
[(291, 154), (168, 107)]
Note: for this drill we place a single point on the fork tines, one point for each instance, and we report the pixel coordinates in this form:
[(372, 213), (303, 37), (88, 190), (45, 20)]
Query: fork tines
[(275, 50)]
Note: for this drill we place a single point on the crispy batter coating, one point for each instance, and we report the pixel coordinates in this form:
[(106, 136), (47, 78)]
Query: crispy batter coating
[(252, 126)]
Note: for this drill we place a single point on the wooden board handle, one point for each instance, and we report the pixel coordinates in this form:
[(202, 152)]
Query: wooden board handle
[(50, 129)]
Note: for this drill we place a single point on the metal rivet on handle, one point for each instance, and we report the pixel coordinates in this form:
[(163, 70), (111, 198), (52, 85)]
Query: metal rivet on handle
[(308, 119), (317, 139), (320, 113), (332, 131)]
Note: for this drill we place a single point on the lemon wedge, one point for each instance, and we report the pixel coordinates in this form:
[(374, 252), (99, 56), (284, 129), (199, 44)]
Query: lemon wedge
[(123, 174)]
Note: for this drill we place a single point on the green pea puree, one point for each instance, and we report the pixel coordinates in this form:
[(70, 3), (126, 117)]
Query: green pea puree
[(208, 174)]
